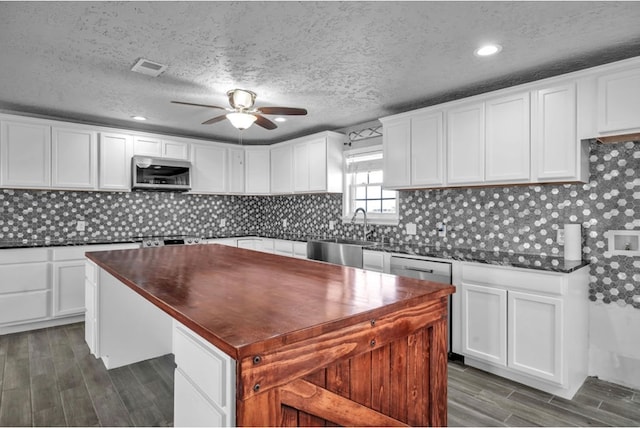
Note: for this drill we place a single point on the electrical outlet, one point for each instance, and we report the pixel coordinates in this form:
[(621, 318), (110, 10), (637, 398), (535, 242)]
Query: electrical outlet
[(411, 228), (560, 236), (80, 225), (332, 225), (223, 222), (442, 229), (284, 223)]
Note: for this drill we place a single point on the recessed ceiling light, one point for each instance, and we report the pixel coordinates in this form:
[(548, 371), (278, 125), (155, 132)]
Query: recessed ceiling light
[(280, 119), (138, 118), (488, 50)]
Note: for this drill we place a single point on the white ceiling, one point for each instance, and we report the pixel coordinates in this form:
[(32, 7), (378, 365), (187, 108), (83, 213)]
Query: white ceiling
[(346, 62)]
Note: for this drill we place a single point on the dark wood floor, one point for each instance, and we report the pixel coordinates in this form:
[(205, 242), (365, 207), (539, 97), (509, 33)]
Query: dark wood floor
[(48, 378)]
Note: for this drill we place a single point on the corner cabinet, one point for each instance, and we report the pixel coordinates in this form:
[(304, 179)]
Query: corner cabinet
[(308, 164), (413, 148), (527, 325), (257, 170)]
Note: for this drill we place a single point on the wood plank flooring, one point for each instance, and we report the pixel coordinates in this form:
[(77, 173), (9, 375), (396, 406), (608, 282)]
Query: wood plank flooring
[(48, 378)]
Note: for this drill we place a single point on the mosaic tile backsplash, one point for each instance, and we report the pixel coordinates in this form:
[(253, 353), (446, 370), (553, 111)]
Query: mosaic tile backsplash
[(518, 219)]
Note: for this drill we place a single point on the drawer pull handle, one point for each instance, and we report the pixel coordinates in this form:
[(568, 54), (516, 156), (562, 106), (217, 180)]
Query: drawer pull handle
[(417, 269)]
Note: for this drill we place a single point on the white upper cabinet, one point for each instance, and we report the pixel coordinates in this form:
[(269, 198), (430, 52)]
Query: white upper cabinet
[(74, 158), (150, 146), (209, 168), (282, 168), (396, 148), (257, 170), (558, 155), (427, 149), (619, 101), (25, 154), (317, 163), (115, 152), (465, 144), (414, 150), (507, 139), (236, 170)]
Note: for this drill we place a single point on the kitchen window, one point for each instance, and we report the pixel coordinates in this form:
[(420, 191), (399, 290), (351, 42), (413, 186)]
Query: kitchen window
[(363, 187)]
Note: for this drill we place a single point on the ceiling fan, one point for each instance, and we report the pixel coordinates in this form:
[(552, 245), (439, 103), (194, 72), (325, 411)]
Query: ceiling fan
[(243, 114)]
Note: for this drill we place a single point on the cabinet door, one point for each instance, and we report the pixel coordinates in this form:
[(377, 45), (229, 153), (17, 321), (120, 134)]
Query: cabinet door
[(535, 335), (301, 167), (68, 288), (236, 170), (619, 101), (427, 150), (396, 145), (555, 142), (175, 150), (373, 260), (508, 142), (74, 159), (465, 144), (25, 155), (317, 154), (116, 151), (209, 170), (282, 169), (484, 323), (147, 146), (257, 167)]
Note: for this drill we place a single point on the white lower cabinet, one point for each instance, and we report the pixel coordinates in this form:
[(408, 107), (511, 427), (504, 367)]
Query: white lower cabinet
[(68, 287), (527, 325), (484, 318), (25, 286), (373, 260), (535, 335), (204, 381)]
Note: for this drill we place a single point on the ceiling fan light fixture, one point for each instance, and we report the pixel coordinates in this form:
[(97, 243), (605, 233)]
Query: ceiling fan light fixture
[(240, 98), (241, 120)]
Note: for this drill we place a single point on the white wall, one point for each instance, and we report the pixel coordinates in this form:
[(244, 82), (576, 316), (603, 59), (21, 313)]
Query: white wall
[(614, 343)]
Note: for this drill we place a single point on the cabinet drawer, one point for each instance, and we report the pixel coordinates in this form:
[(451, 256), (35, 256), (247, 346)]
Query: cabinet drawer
[(23, 255), (513, 278), (24, 277), (204, 365), (191, 409), (24, 306)]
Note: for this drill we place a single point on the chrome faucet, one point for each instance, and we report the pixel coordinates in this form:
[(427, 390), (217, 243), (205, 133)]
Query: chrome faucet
[(366, 227)]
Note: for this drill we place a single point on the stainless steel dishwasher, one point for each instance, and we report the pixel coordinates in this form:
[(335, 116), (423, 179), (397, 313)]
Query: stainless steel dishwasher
[(429, 270)]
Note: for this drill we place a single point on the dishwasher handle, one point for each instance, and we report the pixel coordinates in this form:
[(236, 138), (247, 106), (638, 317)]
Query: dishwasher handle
[(415, 269)]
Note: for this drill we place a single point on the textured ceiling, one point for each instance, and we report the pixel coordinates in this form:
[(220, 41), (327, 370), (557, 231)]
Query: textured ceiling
[(346, 62)]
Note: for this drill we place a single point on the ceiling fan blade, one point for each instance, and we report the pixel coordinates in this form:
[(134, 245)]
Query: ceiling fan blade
[(215, 120), (289, 111), (198, 105), (264, 122)]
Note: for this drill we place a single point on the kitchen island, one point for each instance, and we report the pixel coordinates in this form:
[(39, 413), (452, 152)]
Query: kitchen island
[(289, 342)]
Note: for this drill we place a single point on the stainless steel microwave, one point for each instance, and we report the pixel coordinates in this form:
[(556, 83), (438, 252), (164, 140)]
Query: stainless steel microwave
[(150, 173)]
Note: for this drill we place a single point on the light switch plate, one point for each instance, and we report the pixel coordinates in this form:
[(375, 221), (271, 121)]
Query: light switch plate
[(411, 228), (332, 225), (284, 223), (223, 222), (80, 226)]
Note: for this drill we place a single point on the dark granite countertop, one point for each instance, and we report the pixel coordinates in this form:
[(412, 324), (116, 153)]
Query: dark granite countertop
[(519, 260)]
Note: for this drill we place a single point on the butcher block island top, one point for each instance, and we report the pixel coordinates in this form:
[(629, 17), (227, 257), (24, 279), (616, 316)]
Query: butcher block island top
[(313, 342)]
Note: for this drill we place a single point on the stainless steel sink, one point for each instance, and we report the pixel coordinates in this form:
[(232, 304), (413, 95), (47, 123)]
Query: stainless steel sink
[(341, 251)]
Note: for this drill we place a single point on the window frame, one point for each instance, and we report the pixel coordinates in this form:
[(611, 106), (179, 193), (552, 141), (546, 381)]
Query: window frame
[(348, 200)]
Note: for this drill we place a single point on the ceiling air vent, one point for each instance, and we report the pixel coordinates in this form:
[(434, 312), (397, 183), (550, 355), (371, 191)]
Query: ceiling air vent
[(150, 68)]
